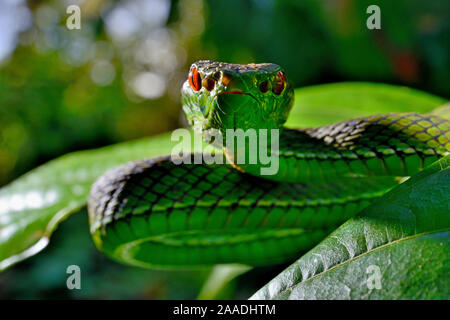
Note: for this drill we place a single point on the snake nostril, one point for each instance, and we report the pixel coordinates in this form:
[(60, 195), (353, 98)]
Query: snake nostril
[(264, 86), (209, 84)]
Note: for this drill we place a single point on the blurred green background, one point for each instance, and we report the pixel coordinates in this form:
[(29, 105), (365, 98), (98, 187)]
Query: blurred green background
[(119, 77)]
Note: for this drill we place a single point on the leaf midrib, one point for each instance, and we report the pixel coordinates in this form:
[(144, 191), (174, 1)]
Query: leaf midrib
[(361, 255)]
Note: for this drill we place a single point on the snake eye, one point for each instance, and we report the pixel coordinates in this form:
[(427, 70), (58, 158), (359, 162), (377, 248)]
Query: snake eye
[(264, 86), (279, 83), (209, 84), (195, 80)]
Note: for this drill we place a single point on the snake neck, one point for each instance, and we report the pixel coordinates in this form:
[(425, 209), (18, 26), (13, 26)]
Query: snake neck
[(391, 144)]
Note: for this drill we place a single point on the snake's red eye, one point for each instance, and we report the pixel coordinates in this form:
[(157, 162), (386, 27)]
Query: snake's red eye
[(195, 80), (279, 83)]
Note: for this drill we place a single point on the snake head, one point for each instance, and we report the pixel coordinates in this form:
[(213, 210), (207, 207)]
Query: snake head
[(221, 96)]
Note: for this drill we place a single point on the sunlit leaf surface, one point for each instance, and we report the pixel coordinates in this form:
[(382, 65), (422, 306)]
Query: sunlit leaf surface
[(396, 248)]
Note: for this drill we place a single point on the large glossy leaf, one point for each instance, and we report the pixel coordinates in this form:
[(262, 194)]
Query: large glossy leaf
[(397, 248), (33, 205), (322, 104)]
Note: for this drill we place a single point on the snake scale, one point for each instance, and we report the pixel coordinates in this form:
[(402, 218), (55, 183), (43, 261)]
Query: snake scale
[(155, 213)]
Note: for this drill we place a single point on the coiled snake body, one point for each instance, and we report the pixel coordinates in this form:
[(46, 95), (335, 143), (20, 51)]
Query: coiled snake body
[(154, 213)]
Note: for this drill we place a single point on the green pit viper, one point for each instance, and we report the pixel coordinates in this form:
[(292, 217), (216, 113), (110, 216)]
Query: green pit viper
[(154, 213)]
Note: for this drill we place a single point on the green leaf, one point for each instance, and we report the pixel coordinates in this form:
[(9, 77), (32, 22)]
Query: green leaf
[(327, 103), (397, 248), (33, 205)]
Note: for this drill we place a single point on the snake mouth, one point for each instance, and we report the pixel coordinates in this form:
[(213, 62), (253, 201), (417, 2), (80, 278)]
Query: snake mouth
[(233, 92), (237, 92)]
